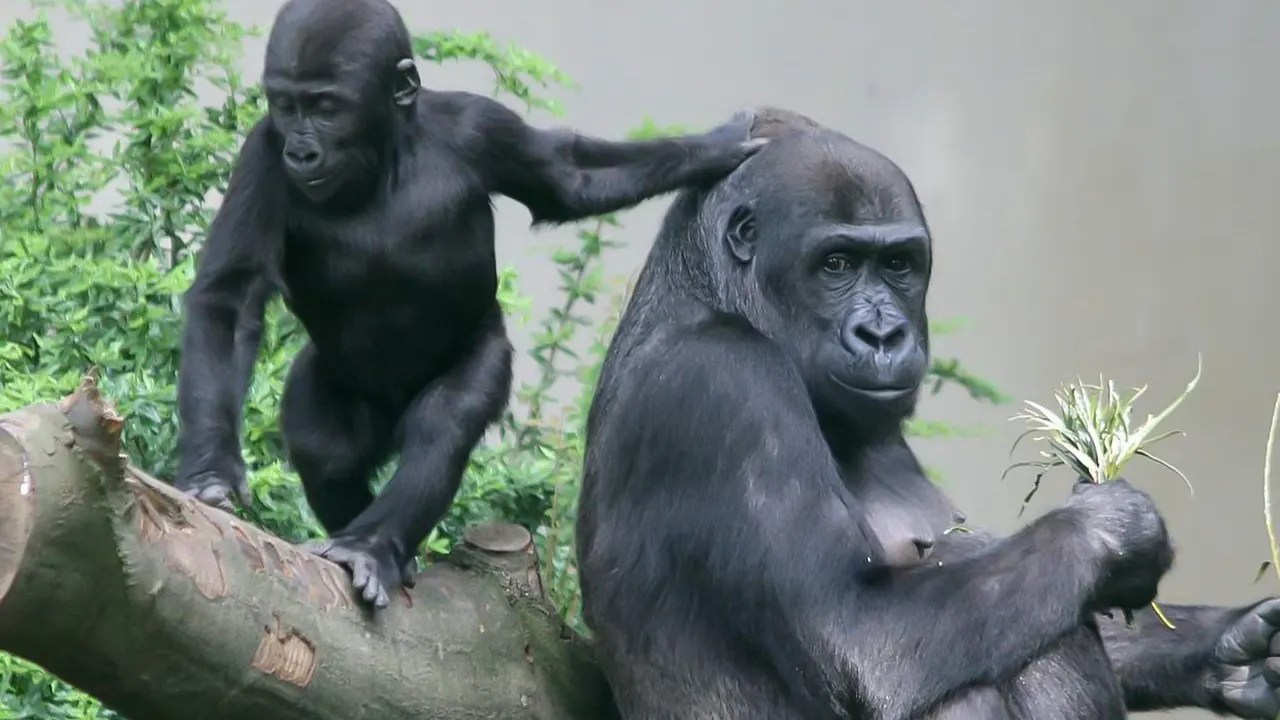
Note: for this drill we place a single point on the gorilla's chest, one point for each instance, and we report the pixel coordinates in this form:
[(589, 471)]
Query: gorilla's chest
[(908, 515), (423, 243), (404, 280)]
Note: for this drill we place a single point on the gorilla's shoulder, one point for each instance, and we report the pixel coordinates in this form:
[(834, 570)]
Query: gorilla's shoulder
[(459, 106), (705, 345)]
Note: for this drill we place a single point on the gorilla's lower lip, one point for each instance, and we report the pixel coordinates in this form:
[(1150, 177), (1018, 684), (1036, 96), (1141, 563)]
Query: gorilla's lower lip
[(877, 393), (883, 393)]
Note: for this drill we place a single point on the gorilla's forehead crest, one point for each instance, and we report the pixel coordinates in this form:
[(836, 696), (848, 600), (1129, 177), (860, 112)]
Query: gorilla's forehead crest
[(328, 37), (814, 166)]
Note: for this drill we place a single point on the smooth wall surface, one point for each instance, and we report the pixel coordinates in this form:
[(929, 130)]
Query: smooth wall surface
[(1101, 178)]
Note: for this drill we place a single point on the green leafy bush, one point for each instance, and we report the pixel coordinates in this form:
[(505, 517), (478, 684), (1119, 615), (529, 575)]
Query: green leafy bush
[(109, 161)]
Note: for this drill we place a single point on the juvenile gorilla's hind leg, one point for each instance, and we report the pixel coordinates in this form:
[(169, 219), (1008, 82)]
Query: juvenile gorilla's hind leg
[(334, 439), (438, 431)]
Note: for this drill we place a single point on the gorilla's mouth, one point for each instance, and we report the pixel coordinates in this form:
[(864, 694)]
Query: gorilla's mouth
[(879, 393), (883, 394), (320, 187)]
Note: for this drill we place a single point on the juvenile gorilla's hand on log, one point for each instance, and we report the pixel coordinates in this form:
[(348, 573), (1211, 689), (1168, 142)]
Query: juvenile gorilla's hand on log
[(374, 571), (1245, 671), (218, 488)]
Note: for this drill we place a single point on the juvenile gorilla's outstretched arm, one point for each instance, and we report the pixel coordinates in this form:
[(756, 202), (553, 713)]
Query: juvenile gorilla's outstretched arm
[(799, 562), (561, 175), (225, 307), (1224, 659)]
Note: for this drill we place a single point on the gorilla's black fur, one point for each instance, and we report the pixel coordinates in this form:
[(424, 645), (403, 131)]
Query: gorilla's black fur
[(365, 200), (756, 539)]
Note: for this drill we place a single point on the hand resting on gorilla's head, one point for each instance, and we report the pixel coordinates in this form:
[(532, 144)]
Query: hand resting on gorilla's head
[(364, 199), (757, 540)]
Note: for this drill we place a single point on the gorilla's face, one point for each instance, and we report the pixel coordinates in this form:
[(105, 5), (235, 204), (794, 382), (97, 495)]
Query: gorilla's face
[(840, 256), (331, 88)]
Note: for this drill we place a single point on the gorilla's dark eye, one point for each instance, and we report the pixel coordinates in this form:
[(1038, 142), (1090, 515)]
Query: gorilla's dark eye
[(326, 105), (836, 264), (898, 264)]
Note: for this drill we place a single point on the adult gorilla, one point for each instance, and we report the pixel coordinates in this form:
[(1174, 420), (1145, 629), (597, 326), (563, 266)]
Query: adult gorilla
[(758, 541)]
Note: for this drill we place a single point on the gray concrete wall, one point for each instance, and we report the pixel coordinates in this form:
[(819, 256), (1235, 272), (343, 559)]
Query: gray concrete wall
[(1100, 177)]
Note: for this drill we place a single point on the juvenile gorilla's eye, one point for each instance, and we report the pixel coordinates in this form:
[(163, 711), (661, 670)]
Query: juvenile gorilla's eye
[(836, 264)]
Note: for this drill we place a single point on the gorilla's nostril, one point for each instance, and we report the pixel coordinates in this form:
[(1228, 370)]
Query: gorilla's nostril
[(881, 336), (865, 335), (304, 158)]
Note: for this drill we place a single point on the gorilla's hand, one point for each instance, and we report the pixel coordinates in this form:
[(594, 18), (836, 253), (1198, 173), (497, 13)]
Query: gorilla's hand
[(217, 488), (729, 144), (376, 568), (735, 129), (1123, 524), (1245, 673)]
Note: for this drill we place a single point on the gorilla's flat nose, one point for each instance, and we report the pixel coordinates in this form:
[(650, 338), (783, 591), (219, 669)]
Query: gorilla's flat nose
[(303, 160), (881, 335)]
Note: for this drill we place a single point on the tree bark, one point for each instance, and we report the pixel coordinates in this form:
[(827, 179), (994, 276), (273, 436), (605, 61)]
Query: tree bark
[(163, 607)]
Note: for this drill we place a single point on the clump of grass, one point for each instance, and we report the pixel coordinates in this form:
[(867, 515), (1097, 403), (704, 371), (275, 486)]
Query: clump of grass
[(1094, 436)]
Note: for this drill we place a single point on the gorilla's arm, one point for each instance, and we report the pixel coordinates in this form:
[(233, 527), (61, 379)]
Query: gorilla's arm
[(224, 312), (561, 175), (1215, 658), (248, 335), (719, 426)]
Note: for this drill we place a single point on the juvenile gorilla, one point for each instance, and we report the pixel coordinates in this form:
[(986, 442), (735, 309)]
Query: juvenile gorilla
[(365, 200), (757, 540)]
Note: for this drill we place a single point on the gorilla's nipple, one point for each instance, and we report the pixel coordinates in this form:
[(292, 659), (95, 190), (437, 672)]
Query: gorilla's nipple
[(924, 546), (908, 551)]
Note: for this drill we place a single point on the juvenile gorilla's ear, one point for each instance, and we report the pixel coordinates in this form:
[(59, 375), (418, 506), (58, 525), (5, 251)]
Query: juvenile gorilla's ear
[(740, 233), (407, 82)]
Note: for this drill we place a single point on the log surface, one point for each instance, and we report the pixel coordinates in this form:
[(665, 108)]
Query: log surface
[(163, 607)]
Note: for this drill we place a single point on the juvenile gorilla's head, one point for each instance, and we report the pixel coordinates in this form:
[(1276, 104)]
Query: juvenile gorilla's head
[(335, 76), (821, 244)]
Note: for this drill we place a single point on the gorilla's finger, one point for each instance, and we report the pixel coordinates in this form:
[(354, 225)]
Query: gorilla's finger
[(1269, 610), (1252, 699), (317, 547), (244, 494), (1271, 672), (1249, 639), (215, 496), (362, 574), (409, 573)]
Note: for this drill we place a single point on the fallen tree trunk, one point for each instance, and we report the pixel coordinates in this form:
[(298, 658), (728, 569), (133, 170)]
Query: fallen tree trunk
[(166, 608)]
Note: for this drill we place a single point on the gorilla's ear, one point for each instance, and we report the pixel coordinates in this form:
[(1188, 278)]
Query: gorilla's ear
[(740, 234), (407, 82)]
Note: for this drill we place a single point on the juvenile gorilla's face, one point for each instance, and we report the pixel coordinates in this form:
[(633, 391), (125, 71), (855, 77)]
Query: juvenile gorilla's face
[(320, 128), (333, 77), (841, 256)]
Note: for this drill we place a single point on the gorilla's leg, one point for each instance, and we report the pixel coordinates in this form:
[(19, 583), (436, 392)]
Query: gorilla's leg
[(437, 432), (334, 439)]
